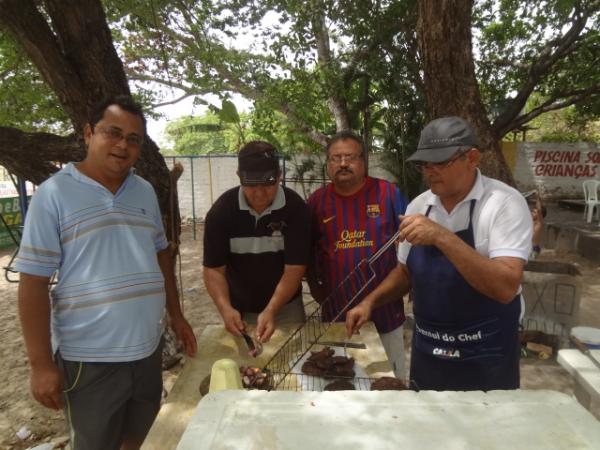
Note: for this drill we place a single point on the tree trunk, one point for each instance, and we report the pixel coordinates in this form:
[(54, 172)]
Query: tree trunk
[(33, 156), (444, 35), (336, 102), (76, 56)]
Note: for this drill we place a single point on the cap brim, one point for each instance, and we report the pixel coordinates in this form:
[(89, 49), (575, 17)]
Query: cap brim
[(435, 154), (268, 177)]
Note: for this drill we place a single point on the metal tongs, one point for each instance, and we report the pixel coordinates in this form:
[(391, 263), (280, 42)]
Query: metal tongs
[(364, 263), (254, 347), (584, 349)]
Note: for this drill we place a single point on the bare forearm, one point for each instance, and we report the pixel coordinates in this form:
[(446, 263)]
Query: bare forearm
[(393, 287), (287, 287), (34, 313), (165, 261), (180, 326), (497, 278), (217, 287)]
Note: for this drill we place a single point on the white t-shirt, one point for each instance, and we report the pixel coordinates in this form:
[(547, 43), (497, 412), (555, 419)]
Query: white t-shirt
[(502, 223)]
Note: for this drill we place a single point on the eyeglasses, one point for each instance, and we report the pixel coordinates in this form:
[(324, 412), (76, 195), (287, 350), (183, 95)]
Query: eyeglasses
[(420, 166), (115, 135), (337, 159)]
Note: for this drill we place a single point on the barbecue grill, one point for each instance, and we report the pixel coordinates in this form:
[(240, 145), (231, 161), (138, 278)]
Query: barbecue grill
[(284, 368)]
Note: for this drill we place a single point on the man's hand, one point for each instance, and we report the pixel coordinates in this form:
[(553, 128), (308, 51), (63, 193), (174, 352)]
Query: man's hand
[(185, 335), (47, 385), (420, 230), (356, 317), (265, 325), (232, 319)]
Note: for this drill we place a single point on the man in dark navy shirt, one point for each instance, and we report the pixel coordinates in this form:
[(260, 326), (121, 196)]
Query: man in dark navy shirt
[(256, 247)]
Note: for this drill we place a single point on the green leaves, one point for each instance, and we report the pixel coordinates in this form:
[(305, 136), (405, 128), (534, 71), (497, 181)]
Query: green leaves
[(193, 135), (518, 40), (228, 113), (26, 102), (294, 59)]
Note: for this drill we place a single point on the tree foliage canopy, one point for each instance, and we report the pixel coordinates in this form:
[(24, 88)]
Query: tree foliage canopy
[(547, 49), (315, 67), (26, 101), (326, 64)]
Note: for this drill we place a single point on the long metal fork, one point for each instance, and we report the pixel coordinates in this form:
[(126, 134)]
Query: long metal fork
[(307, 334), (254, 347)]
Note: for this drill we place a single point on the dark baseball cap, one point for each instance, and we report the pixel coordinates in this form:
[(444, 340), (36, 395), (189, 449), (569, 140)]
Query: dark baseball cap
[(442, 138), (258, 164)]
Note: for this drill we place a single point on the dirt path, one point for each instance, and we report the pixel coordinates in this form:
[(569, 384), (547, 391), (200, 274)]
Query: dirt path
[(18, 409)]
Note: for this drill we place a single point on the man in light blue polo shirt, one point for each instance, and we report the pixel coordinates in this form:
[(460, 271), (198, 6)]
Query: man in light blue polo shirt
[(93, 341)]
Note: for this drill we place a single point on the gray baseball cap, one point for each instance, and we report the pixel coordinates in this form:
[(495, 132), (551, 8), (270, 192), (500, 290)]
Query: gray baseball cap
[(442, 138)]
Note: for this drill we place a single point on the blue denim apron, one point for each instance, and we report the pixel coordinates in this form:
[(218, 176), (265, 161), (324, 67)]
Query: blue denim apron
[(463, 340)]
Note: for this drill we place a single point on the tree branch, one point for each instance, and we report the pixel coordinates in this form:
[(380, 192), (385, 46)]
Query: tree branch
[(28, 155), (557, 102), (169, 83), (539, 68), (230, 81), (336, 102), (177, 100), (29, 28)]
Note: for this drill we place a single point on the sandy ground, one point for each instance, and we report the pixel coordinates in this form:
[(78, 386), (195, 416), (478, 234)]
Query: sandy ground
[(18, 409), (17, 406)]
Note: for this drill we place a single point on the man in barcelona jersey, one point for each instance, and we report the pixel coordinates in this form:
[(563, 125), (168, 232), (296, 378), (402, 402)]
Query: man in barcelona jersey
[(352, 217)]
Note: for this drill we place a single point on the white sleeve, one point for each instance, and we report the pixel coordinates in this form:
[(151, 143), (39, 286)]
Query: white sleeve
[(510, 229)]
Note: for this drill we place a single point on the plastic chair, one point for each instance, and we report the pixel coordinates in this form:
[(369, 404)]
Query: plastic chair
[(590, 193)]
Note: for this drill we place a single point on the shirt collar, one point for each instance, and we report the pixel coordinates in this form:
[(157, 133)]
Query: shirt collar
[(71, 170), (476, 193), (278, 203)]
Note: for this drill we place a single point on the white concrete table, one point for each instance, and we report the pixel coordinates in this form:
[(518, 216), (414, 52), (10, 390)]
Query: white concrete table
[(215, 343), (386, 420), (585, 373)]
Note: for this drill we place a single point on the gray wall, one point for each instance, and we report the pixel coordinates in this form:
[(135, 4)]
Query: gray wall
[(557, 170), (205, 178)]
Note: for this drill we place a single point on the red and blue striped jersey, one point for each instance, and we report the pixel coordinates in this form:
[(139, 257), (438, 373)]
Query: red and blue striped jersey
[(346, 232)]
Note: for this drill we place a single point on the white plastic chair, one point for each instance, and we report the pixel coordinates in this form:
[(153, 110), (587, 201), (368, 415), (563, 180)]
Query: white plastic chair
[(590, 193)]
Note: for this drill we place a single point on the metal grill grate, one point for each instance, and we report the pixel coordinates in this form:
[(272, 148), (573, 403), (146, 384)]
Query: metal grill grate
[(308, 334), (303, 382)]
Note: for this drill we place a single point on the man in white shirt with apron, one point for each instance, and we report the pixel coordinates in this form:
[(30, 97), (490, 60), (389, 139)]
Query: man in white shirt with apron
[(464, 243)]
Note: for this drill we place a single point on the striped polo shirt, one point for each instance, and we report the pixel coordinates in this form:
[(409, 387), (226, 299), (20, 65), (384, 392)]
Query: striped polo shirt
[(347, 230), (109, 299), (254, 248)]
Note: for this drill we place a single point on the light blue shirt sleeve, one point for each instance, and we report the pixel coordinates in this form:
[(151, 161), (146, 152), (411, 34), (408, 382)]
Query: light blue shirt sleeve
[(40, 251), (160, 239)]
